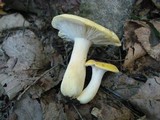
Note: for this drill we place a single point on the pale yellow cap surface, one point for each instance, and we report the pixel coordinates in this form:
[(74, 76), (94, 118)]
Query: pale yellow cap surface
[(102, 65)]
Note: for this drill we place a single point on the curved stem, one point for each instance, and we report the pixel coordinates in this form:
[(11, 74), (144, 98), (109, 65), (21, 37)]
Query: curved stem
[(73, 80), (90, 91)]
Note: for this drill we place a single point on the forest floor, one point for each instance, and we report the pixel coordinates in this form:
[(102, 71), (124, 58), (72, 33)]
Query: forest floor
[(33, 60)]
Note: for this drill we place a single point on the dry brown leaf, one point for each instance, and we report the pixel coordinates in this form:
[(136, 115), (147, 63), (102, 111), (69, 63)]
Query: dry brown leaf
[(52, 110), (147, 65), (136, 51), (149, 107), (143, 36), (148, 98), (28, 109), (138, 43), (26, 48), (47, 82), (122, 84), (129, 34), (12, 21), (26, 57), (150, 90), (14, 83), (108, 108)]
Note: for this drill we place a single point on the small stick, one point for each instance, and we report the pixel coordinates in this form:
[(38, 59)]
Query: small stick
[(34, 82), (77, 111), (124, 101)]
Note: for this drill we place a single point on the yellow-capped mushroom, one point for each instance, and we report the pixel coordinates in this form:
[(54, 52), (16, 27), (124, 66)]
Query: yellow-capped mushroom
[(83, 32), (98, 70)]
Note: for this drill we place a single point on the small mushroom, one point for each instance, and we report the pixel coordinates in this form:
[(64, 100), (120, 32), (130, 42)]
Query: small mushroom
[(83, 32), (98, 70)]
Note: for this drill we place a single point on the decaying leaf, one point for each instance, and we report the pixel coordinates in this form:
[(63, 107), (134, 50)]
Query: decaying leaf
[(28, 109), (11, 21), (26, 48), (140, 40), (121, 84), (26, 57), (14, 83), (134, 52), (150, 90), (134, 49), (108, 111), (143, 36), (48, 81), (52, 110), (148, 98)]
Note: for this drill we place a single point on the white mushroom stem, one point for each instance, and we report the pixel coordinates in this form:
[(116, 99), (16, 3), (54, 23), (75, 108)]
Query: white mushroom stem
[(73, 80), (90, 91)]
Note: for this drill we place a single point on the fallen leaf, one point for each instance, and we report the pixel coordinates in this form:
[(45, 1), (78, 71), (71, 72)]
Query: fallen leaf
[(133, 48), (50, 80), (11, 21), (122, 84), (27, 49), (111, 113), (150, 90), (14, 83), (140, 40), (134, 52), (26, 57), (143, 36), (109, 108), (28, 109), (52, 110), (148, 98)]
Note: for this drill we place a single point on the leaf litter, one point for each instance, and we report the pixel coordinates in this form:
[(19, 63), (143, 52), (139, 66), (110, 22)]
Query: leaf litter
[(33, 60)]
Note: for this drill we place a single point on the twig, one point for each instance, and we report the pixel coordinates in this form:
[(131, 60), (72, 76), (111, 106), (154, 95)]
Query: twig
[(124, 101), (34, 82), (77, 111)]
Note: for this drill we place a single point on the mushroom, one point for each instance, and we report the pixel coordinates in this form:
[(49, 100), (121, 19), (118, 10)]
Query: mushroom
[(98, 70), (83, 32)]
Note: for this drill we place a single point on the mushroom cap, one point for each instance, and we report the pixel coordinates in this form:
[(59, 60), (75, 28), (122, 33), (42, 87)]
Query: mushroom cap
[(102, 65), (72, 26)]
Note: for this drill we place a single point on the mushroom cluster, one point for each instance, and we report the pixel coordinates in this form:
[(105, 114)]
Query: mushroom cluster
[(83, 32)]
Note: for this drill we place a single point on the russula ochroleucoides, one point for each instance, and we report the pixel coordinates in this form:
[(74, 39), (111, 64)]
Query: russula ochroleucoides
[(83, 33), (98, 70)]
